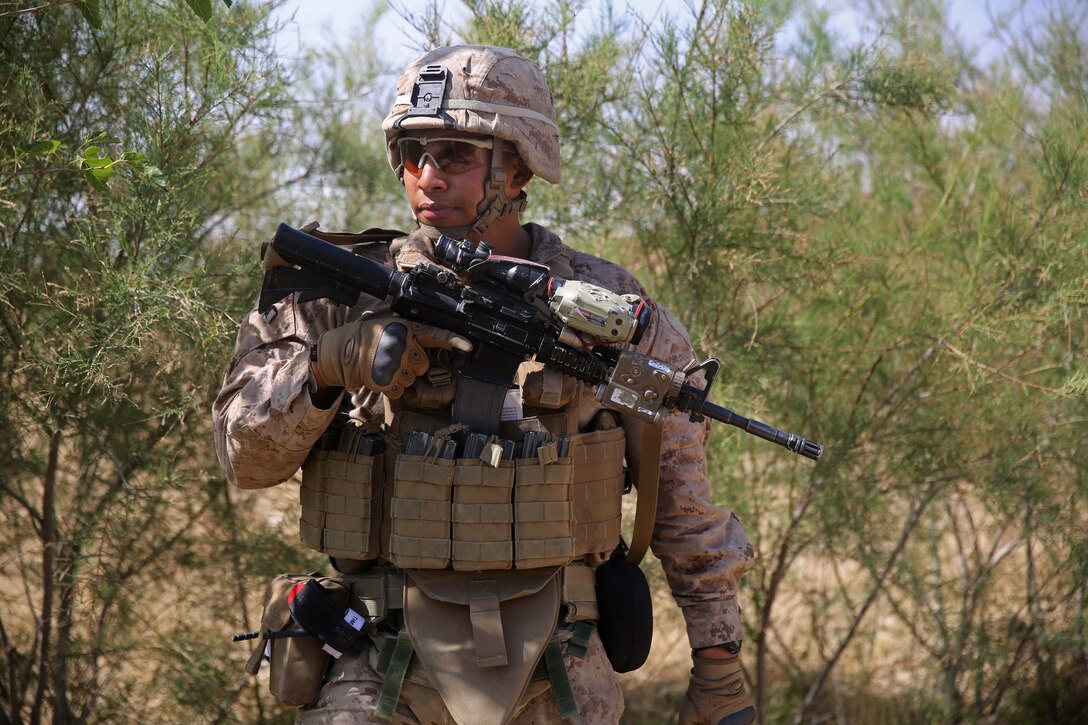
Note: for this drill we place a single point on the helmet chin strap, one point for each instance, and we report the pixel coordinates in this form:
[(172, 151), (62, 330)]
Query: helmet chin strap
[(495, 205)]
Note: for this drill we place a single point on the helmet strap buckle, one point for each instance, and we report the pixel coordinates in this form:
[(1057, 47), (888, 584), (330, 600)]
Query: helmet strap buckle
[(496, 204)]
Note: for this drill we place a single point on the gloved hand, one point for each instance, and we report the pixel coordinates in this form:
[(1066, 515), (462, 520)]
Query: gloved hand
[(380, 352), (716, 694)]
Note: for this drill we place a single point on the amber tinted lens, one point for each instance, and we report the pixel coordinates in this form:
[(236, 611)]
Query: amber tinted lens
[(447, 155), (411, 150)]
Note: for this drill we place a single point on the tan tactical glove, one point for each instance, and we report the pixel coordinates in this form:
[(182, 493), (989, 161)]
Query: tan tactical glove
[(380, 352), (716, 694)]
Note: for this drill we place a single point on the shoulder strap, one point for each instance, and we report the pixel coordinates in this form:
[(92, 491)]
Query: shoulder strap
[(647, 478), (562, 263)]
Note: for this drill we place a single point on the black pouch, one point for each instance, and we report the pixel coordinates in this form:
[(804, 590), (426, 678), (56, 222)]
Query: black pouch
[(626, 625), (297, 663)]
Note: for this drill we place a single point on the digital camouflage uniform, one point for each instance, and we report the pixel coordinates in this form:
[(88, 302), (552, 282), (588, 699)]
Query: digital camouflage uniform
[(265, 425)]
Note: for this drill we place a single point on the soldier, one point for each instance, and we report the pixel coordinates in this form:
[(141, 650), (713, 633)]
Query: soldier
[(475, 609)]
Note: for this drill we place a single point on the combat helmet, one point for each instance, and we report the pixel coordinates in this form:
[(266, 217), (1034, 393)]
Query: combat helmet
[(484, 90)]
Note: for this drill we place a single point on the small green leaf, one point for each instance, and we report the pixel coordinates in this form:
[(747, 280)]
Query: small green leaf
[(102, 137), (92, 12), (154, 175), (45, 146), (228, 3), (93, 160), (133, 157), (98, 177), (202, 8)]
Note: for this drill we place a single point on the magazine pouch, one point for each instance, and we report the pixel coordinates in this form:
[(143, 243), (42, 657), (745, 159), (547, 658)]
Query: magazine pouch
[(421, 512), (482, 515), (543, 522), (341, 493)]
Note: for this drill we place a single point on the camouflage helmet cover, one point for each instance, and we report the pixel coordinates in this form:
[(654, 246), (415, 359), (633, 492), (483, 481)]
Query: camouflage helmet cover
[(489, 91)]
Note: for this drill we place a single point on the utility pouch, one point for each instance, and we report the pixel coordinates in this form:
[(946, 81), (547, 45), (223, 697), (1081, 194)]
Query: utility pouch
[(625, 608), (297, 659), (579, 593), (480, 636)]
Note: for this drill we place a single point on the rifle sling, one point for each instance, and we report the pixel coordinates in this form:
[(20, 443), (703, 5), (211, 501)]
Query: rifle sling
[(647, 479)]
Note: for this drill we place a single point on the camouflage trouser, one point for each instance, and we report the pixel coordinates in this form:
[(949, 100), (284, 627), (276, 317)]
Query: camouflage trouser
[(351, 688)]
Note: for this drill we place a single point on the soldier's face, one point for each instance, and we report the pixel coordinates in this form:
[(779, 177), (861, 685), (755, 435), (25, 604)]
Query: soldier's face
[(444, 179)]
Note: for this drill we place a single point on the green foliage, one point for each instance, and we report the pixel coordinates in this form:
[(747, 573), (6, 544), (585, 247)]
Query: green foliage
[(884, 242), (88, 159), (932, 350), (343, 178), (92, 10), (119, 162)]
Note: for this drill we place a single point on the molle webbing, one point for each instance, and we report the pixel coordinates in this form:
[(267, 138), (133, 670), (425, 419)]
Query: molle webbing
[(524, 514), (482, 515), (466, 514), (543, 525), (596, 491), (337, 495), (421, 513)]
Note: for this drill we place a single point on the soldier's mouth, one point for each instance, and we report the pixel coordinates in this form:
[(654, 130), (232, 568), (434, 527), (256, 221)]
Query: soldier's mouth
[(432, 211)]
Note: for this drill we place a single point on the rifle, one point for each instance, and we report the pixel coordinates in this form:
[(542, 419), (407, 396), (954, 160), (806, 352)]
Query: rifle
[(512, 310)]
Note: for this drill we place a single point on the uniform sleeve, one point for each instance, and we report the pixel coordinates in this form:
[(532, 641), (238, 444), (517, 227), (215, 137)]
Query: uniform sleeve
[(703, 548), (264, 420)]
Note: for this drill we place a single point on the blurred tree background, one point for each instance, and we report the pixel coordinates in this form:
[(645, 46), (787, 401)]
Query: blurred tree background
[(884, 240)]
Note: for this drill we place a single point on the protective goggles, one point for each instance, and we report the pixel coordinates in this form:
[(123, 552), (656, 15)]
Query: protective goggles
[(450, 154)]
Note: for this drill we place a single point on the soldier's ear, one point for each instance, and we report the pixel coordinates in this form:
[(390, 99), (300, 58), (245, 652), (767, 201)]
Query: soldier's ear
[(520, 174)]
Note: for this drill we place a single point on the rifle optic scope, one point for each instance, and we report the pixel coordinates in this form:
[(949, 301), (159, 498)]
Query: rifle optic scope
[(602, 315)]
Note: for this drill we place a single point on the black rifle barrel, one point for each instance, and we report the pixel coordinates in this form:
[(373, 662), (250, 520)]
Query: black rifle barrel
[(791, 442)]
